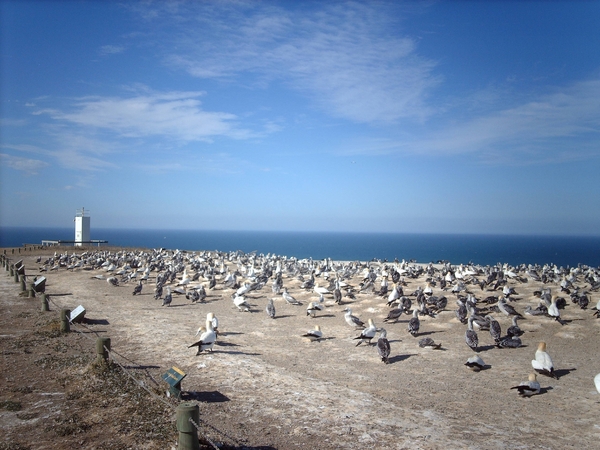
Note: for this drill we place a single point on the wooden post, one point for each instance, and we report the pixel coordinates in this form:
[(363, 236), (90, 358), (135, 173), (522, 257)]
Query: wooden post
[(30, 290), (188, 433), (65, 326), (23, 285), (45, 306), (101, 351)]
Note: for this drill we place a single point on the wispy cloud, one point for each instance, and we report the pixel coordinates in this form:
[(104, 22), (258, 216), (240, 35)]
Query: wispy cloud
[(555, 127), (27, 165), (343, 56), (111, 49), (176, 115)]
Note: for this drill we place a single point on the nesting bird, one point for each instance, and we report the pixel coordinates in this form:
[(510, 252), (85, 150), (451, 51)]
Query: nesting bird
[(313, 308), (314, 335), (528, 388), (542, 362), (429, 343), (475, 363), (367, 334)]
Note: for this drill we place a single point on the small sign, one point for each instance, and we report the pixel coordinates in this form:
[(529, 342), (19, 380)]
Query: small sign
[(39, 285), (77, 314), (173, 377)]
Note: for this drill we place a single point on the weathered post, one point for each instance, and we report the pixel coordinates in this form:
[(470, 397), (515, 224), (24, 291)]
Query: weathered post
[(188, 434), (30, 290), (102, 349), (65, 326), (23, 285), (45, 306)]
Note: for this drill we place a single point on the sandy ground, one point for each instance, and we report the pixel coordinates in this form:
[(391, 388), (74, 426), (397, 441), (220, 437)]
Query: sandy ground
[(265, 386)]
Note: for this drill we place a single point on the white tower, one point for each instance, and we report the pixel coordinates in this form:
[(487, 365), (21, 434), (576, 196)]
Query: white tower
[(82, 227)]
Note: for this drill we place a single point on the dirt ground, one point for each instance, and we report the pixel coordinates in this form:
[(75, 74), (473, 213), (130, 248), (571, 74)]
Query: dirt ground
[(266, 387)]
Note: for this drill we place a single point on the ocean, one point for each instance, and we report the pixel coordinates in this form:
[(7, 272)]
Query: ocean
[(455, 248)]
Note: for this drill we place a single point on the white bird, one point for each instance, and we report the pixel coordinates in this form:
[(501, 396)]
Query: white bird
[(353, 321), (215, 322), (288, 298), (240, 302), (542, 362), (367, 334), (475, 363), (554, 312), (207, 339), (270, 309), (597, 382), (528, 388), (313, 308), (321, 290), (383, 346), (314, 335)]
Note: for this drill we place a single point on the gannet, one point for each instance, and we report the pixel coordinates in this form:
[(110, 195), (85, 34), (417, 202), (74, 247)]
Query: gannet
[(313, 308), (314, 335), (383, 346), (528, 388), (414, 324), (471, 336), (394, 315), (506, 308), (475, 363), (168, 298), (429, 343), (288, 298), (514, 329), (554, 312), (138, 288), (113, 281), (240, 302), (597, 382), (495, 329), (337, 295), (353, 321), (214, 321), (321, 290), (270, 309), (509, 342), (597, 309), (542, 362), (207, 339), (367, 334)]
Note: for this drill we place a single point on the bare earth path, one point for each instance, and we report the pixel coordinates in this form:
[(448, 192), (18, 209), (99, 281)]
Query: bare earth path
[(266, 386)]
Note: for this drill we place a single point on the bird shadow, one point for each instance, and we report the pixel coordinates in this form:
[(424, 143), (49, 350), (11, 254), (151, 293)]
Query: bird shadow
[(283, 316), (229, 333), (562, 372), (226, 344), (485, 348), (61, 295), (325, 315), (425, 333), (546, 389), (205, 397), (399, 358), (240, 353), (95, 321)]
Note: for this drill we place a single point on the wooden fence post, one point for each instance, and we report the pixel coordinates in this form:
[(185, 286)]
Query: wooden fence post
[(101, 351), (45, 306), (65, 326), (188, 433)]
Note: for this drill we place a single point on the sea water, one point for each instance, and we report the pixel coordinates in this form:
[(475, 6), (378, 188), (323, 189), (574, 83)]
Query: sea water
[(455, 248)]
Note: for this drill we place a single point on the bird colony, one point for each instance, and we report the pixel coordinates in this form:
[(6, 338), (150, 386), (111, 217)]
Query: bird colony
[(498, 322)]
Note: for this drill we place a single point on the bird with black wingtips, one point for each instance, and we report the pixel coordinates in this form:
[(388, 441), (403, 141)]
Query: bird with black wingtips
[(543, 363), (314, 335), (288, 298), (367, 334), (383, 346), (495, 329), (509, 342), (475, 363), (207, 339), (529, 387), (138, 288), (429, 343), (507, 309), (514, 329), (352, 320)]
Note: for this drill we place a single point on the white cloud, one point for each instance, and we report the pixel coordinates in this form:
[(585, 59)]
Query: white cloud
[(343, 56), (27, 165), (111, 49), (176, 115)]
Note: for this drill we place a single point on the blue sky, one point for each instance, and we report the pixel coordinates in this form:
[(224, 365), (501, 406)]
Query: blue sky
[(459, 117)]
